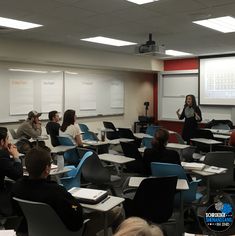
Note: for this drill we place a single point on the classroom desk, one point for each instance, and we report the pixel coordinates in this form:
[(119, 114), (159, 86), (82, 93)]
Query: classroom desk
[(118, 140), (40, 138), (95, 144), (209, 142), (220, 131), (104, 206), (206, 174), (175, 146), (61, 149), (222, 137), (116, 159), (142, 135)]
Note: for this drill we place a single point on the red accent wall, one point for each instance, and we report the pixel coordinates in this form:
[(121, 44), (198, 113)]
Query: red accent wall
[(181, 64)]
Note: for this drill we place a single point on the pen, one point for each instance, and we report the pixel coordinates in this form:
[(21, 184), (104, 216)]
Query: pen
[(106, 199)]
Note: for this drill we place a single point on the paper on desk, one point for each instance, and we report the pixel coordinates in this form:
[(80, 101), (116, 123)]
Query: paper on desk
[(53, 166), (86, 193), (7, 233), (215, 169), (192, 165)]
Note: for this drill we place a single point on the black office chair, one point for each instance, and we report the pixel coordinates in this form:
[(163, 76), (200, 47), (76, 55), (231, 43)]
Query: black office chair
[(224, 160), (127, 133), (114, 134), (130, 149), (153, 200), (43, 220), (95, 173), (203, 133)]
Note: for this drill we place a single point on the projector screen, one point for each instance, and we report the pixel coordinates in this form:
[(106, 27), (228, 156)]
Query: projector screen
[(217, 81)]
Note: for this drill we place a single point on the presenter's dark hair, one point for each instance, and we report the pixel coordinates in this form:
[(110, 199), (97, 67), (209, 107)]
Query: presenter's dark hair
[(194, 103), (68, 119), (160, 139), (3, 133), (36, 161), (52, 114)]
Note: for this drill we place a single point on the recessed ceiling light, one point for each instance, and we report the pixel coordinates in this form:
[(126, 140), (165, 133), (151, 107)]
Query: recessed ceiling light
[(177, 53), (16, 24), (225, 24), (108, 41), (142, 1)]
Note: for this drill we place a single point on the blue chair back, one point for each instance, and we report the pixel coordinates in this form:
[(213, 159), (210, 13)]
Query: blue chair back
[(147, 142), (90, 136), (152, 129), (71, 157), (73, 178), (167, 169), (84, 128), (66, 141)]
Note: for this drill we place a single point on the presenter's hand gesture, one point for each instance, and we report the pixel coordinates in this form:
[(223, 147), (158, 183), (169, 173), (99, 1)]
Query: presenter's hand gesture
[(178, 112)]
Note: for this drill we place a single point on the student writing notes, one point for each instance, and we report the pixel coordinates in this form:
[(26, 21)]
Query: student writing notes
[(191, 115)]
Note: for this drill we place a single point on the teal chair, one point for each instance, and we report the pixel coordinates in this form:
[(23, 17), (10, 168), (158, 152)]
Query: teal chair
[(84, 128), (65, 140), (73, 178), (71, 157), (167, 169), (151, 130)]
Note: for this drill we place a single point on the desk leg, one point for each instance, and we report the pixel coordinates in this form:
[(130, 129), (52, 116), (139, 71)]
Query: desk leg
[(105, 224), (181, 226), (210, 147)]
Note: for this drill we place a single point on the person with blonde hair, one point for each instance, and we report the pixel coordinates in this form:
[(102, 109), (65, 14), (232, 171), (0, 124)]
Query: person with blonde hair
[(135, 226)]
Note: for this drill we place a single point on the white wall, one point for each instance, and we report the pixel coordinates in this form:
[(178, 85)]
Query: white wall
[(55, 54), (138, 85)]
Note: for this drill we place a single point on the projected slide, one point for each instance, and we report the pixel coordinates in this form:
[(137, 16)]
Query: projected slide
[(217, 81)]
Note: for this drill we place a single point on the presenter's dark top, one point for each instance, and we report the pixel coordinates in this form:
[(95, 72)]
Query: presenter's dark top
[(190, 122), (12, 168), (155, 155), (41, 190), (52, 129)]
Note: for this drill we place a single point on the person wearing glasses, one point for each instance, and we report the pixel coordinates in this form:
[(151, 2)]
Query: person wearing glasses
[(11, 167)]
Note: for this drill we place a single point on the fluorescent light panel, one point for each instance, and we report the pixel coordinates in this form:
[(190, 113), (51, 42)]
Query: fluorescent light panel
[(28, 70), (16, 24), (225, 24), (177, 53), (108, 41), (142, 1)]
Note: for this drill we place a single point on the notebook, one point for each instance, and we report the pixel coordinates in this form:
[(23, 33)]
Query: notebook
[(192, 165), (87, 195)]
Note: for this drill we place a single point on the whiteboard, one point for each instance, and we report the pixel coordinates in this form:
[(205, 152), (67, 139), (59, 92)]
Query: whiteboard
[(94, 92), (171, 97), (180, 85), (21, 90)]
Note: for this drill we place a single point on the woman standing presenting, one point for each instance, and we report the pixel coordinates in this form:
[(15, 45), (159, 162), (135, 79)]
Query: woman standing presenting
[(192, 115)]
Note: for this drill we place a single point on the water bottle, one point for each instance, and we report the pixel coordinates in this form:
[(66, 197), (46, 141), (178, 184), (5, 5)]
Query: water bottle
[(102, 135), (60, 162)]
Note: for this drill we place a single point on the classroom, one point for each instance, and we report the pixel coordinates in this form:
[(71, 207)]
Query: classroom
[(169, 51)]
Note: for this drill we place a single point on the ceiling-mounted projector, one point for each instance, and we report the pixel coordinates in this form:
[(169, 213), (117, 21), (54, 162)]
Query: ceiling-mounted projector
[(150, 47)]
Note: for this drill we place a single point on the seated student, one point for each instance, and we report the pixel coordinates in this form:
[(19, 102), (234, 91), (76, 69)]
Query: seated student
[(158, 152), (53, 126), (30, 128), (69, 128), (10, 166), (37, 187), (135, 226)]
